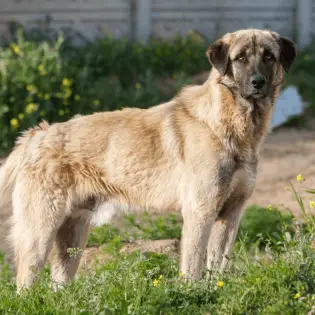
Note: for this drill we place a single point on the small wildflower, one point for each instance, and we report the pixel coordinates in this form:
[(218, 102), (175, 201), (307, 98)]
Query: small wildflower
[(312, 204), (96, 102), (220, 284), (297, 295), (31, 88), (42, 70), (77, 97), (155, 282), (21, 116), (270, 207), (15, 48), (66, 82), (181, 274), (138, 85), (313, 297), (61, 112), (300, 178), (30, 108), (287, 188), (160, 277), (67, 93), (14, 123)]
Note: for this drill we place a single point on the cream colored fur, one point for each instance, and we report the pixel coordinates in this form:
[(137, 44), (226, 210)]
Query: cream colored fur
[(196, 154)]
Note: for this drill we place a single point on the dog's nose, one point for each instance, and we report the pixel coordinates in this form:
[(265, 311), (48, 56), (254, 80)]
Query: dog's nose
[(258, 81)]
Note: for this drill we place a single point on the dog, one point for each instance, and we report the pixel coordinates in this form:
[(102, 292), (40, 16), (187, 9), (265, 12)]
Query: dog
[(197, 153)]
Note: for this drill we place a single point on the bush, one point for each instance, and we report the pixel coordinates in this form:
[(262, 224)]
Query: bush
[(52, 81)]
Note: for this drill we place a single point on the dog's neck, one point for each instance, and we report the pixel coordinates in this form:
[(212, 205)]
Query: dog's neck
[(236, 121)]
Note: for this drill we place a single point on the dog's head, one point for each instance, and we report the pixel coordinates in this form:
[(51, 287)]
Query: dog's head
[(251, 61)]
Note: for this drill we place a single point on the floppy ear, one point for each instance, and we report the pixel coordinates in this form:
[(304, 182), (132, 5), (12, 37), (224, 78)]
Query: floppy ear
[(218, 56), (288, 53)]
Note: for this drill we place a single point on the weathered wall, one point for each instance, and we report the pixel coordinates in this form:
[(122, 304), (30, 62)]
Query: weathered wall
[(160, 18)]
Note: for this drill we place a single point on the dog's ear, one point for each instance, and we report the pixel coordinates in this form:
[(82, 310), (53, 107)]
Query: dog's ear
[(288, 53), (218, 56)]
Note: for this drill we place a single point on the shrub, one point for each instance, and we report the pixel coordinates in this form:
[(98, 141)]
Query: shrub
[(52, 81)]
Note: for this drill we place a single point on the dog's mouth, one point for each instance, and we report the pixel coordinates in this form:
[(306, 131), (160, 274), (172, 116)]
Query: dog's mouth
[(258, 95)]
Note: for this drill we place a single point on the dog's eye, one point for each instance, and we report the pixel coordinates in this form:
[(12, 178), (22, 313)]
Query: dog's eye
[(268, 56), (240, 58)]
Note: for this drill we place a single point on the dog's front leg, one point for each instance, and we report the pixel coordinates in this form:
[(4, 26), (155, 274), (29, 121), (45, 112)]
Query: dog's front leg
[(195, 235), (223, 234)]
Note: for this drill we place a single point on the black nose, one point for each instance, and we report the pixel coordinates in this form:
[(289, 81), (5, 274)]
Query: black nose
[(258, 81)]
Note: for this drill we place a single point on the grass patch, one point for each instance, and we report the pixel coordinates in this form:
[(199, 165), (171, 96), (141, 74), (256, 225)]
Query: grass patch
[(148, 283)]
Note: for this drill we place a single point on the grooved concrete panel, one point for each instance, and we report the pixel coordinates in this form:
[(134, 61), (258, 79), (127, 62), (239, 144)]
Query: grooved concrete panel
[(167, 17), (214, 18), (89, 17)]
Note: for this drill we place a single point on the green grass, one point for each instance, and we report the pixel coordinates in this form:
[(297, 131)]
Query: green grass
[(272, 272), (125, 285)]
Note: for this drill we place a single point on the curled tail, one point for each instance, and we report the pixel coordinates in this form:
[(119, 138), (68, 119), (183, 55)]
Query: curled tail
[(12, 165)]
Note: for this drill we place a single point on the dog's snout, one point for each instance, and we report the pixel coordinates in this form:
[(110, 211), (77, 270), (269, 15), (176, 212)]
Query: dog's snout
[(258, 81)]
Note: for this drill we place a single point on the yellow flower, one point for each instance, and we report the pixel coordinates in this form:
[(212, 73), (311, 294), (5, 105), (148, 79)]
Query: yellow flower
[(66, 82), (31, 107), (160, 277), (14, 123), (21, 116), (287, 188), (181, 274), (312, 204), (300, 178), (67, 93), (47, 96), (77, 97), (31, 88), (96, 102), (42, 70), (138, 86), (270, 208), (220, 284), (313, 297), (61, 112), (296, 296), (155, 282), (15, 48)]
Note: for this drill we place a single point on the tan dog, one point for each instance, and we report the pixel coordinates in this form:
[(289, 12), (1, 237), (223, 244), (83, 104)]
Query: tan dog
[(197, 153)]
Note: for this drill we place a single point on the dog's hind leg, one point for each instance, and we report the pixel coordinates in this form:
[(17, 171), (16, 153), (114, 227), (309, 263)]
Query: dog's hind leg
[(69, 244), (35, 222)]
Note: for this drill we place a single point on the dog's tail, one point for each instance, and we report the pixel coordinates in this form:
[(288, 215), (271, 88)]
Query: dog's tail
[(12, 165)]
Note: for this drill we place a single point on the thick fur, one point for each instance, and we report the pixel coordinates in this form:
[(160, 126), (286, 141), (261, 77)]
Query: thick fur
[(197, 154)]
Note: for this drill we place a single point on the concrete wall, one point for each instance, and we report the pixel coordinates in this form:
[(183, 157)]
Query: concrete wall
[(140, 19)]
